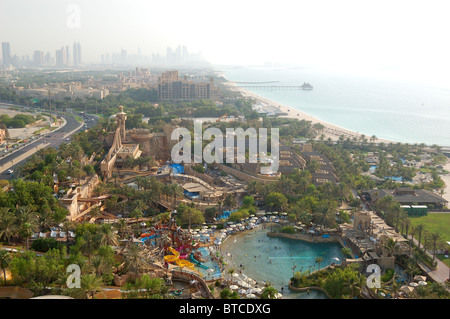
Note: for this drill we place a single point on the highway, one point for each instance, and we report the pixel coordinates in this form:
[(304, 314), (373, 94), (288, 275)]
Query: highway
[(52, 139)]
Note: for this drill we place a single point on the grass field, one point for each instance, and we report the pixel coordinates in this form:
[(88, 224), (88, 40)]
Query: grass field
[(436, 222)]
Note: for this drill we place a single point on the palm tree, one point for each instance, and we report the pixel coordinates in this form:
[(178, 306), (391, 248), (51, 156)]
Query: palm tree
[(91, 284), (97, 264), (176, 191), (46, 220), (269, 293), (436, 241), (318, 260), (391, 246), (395, 287), (67, 226), (346, 252), (419, 230), (352, 284), (8, 225), (89, 244), (231, 272), (324, 216), (411, 270), (27, 223), (107, 235), (135, 261), (5, 260), (122, 227)]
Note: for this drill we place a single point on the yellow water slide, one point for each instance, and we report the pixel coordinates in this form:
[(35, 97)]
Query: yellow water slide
[(176, 259), (172, 258)]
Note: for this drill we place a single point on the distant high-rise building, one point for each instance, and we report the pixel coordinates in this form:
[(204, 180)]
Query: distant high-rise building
[(76, 53), (61, 57), (6, 53), (68, 60), (48, 59), (38, 58), (79, 53), (123, 57), (171, 87)]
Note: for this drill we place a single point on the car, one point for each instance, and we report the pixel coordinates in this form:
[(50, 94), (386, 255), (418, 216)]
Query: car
[(10, 171)]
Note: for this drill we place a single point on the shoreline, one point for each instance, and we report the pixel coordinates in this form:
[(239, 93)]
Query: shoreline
[(330, 131), (446, 179)]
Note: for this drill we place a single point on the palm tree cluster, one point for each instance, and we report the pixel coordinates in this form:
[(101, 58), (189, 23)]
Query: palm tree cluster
[(23, 223)]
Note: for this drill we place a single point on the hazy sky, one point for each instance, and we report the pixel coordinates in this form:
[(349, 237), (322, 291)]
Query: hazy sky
[(329, 33)]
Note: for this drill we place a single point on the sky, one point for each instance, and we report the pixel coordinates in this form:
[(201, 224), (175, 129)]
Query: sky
[(359, 34)]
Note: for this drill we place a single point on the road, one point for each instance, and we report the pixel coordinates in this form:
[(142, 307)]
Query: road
[(52, 139)]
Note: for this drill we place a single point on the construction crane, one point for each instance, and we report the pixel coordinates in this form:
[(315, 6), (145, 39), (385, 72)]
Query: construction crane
[(220, 118)]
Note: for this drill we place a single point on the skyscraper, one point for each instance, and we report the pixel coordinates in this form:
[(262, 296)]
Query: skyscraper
[(6, 53), (76, 53), (67, 55), (38, 58), (61, 57)]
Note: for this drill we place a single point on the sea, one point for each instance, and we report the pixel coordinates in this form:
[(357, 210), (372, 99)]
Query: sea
[(389, 107)]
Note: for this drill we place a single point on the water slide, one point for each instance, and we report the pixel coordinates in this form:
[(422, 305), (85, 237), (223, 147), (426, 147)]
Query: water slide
[(144, 239), (195, 261), (175, 258)]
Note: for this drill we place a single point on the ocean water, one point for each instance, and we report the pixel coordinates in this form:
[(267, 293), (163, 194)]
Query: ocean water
[(399, 110), (271, 258)]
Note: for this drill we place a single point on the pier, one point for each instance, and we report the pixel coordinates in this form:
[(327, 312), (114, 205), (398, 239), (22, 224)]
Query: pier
[(274, 87)]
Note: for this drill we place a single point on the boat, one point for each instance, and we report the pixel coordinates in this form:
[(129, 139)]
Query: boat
[(306, 86)]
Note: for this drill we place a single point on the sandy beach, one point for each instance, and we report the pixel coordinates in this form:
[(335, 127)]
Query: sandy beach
[(331, 131), (446, 179)]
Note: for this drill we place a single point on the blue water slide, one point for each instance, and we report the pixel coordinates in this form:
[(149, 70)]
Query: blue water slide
[(196, 262)]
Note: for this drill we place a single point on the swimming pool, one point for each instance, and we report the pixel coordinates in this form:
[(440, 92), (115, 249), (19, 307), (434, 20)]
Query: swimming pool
[(213, 272), (270, 259)]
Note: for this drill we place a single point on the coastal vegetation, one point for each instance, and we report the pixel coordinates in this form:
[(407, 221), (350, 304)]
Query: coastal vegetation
[(29, 205)]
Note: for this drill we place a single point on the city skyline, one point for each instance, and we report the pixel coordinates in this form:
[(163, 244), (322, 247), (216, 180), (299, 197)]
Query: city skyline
[(71, 56), (406, 36)]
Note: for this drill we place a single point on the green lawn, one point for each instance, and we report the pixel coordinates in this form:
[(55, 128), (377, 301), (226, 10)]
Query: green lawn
[(435, 222)]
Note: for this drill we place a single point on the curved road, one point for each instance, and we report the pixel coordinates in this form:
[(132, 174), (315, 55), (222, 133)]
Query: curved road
[(52, 139)]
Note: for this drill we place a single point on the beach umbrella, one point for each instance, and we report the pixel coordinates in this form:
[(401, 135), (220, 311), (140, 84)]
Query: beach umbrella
[(422, 283), (242, 291), (420, 278), (257, 290), (251, 296), (278, 296), (235, 275), (413, 284), (234, 287)]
